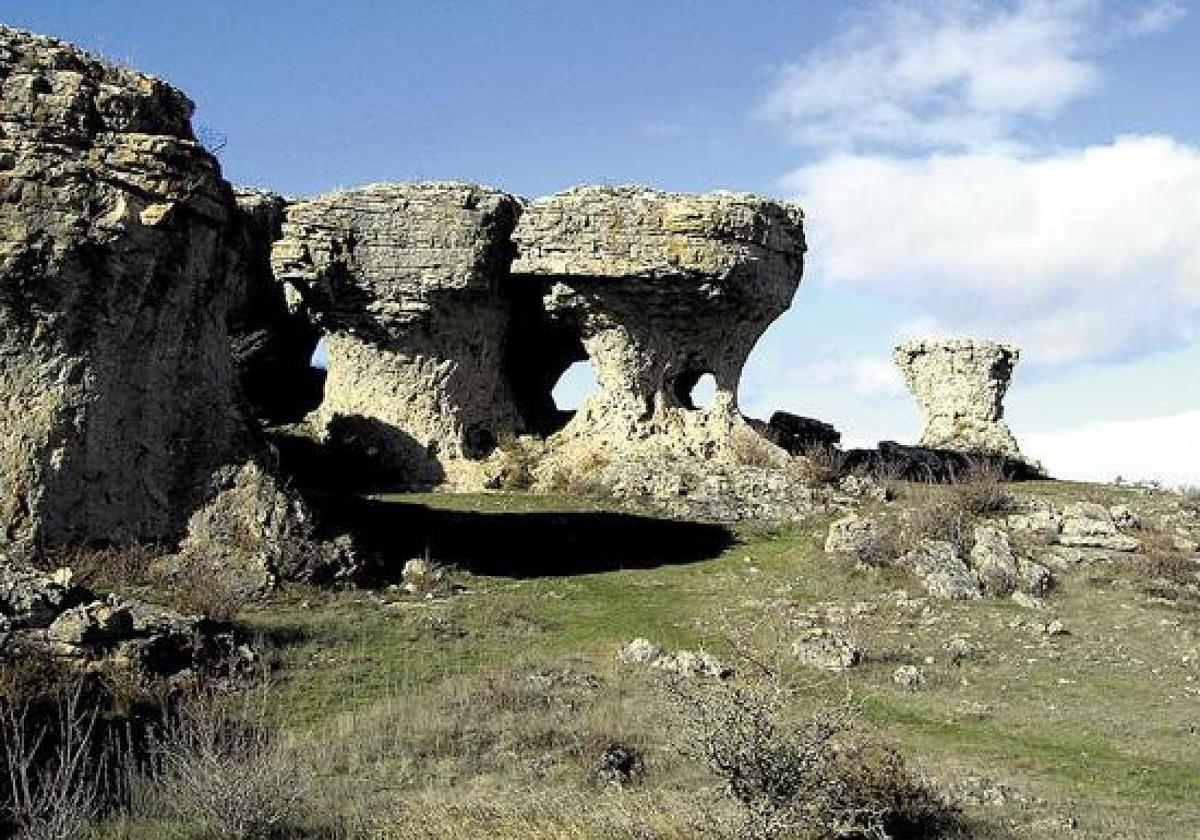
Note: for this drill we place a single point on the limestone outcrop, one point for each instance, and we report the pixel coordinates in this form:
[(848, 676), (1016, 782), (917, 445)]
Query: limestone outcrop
[(117, 393), (405, 281), (272, 345), (660, 288), (960, 385)]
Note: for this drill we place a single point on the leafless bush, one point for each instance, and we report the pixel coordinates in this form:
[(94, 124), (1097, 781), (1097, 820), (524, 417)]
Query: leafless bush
[(750, 449), (202, 587), (940, 515), (1190, 499), (981, 487), (823, 465), (516, 465), (584, 478), (795, 775), (54, 777), (110, 568), (219, 763)]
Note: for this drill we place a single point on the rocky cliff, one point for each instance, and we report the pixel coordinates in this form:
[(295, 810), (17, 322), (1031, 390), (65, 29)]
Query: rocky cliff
[(117, 395)]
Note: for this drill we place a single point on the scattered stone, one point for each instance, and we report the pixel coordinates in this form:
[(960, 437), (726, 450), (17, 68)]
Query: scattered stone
[(621, 765), (1029, 602), (828, 651), (1089, 525), (865, 488), (908, 676), (959, 650), (858, 537), (1055, 628), (1039, 518), (1124, 517), (640, 652), (1035, 578), (690, 663), (993, 560), (943, 573)]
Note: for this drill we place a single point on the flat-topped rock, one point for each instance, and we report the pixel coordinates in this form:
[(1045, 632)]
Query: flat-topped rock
[(405, 281)]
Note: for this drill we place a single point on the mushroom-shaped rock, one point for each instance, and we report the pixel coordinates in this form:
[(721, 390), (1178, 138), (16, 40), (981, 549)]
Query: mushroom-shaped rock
[(960, 385), (117, 392), (405, 281), (662, 288)]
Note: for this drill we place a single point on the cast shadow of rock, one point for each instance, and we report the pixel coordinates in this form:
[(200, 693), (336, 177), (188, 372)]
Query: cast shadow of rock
[(359, 455), (517, 545)]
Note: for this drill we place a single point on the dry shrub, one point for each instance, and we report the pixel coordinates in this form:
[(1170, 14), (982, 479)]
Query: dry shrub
[(750, 449), (110, 568), (54, 779), (516, 465), (583, 478), (981, 489), (1190, 499), (1160, 561), (940, 515), (792, 775), (219, 763), (822, 465), (201, 587)]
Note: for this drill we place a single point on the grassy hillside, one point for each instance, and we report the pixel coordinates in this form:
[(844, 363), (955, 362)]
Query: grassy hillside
[(480, 712)]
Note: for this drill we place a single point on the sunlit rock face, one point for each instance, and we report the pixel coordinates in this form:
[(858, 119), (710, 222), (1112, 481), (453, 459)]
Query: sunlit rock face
[(661, 288), (960, 385), (405, 280), (117, 393)]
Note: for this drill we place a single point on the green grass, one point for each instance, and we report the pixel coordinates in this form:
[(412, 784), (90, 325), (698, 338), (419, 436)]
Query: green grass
[(1098, 725)]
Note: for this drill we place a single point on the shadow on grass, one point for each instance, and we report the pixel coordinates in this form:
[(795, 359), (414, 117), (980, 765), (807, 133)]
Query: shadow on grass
[(518, 545)]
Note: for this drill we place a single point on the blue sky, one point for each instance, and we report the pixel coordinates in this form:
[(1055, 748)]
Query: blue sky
[(1022, 170)]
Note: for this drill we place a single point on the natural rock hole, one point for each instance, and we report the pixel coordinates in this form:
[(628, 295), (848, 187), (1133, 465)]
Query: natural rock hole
[(695, 390), (577, 383)]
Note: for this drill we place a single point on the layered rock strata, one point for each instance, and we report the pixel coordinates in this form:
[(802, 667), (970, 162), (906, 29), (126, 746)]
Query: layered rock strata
[(661, 288), (404, 280), (117, 394), (960, 385)]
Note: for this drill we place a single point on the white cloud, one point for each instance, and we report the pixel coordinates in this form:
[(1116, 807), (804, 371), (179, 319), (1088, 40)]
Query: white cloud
[(939, 73), (1080, 255), (1165, 449)]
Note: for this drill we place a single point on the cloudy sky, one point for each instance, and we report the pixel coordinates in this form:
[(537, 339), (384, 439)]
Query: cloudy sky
[(1020, 170)]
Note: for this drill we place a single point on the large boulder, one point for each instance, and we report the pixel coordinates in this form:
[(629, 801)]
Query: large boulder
[(405, 280), (960, 385), (117, 392)]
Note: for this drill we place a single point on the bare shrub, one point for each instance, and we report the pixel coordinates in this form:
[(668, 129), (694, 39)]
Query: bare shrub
[(981, 487), (583, 478), (219, 763), (798, 775), (822, 465), (202, 587), (1190, 499), (940, 515), (750, 449), (516, 465), (54, 777), (109, 568)]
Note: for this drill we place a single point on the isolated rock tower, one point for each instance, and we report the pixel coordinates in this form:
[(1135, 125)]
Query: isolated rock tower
[(960, 385)]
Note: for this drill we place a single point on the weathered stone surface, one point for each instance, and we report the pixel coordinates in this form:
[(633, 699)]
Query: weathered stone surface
[(46, 615), (942, 571), (254, 533), (117, 393), (272, 346), (662, 288), (858, 537), (1089, 525), (994, 562), (960, 385), (828, 651), (405, 281)]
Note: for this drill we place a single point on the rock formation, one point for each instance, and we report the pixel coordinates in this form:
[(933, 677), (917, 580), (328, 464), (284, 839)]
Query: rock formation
[(405, 281), (117, 394), (272, 346), (660, 288), (960, 385)]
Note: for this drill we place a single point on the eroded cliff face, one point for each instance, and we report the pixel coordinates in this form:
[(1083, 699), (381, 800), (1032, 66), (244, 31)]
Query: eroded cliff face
[(960, 385), (405, 280), (661, 288), (117, 394)]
